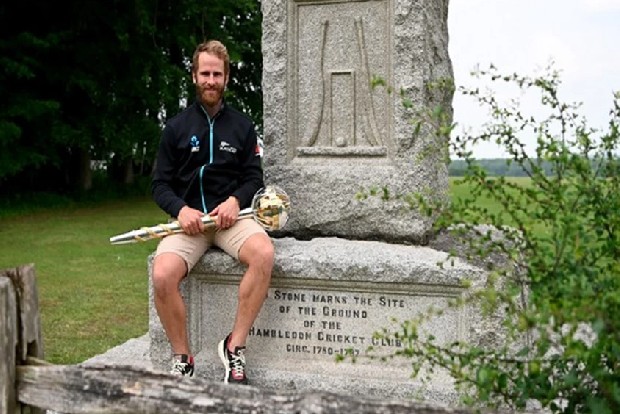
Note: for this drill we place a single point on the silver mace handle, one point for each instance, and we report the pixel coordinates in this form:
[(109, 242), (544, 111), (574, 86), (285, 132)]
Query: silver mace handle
[(165, 229)]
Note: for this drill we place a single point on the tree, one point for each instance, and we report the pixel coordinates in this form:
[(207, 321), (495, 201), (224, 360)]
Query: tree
[(563, 232), (98, 81), (27, 113)]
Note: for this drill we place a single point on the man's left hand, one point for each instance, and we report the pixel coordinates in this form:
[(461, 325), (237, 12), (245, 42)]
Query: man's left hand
[(226, 213)]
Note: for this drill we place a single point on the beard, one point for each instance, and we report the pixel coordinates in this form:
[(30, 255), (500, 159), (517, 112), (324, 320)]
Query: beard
[(210, 96)]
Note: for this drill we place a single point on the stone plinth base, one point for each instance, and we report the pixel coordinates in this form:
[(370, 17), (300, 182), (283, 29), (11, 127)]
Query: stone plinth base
[(327, 296)]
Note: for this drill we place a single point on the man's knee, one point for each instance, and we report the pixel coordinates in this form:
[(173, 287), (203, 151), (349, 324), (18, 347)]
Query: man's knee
[(258, 250), (167, 272)]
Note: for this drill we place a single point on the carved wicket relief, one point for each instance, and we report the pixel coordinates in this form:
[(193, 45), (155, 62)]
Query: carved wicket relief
[(336, 107)]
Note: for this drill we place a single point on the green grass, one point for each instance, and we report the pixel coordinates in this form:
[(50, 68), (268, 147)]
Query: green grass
[(92, 295), (459, 191)]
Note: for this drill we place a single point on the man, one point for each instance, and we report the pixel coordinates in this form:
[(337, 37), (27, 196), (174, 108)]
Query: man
[(209, 162)]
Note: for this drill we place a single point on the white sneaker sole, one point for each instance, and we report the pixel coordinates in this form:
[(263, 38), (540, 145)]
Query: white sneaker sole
[(222, 353)]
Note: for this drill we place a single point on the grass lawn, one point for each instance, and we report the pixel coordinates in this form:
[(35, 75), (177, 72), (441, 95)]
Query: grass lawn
[(459, 190), (92, 295)]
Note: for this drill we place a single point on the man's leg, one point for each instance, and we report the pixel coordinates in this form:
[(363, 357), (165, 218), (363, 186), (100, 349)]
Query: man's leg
[(249, 243), (168, 271), (176, 255), (258, 254)]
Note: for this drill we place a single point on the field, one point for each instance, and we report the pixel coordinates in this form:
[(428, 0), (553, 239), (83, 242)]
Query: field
[(93, 295), (458, 190)]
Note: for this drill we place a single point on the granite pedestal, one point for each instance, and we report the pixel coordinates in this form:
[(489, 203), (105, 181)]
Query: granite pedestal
[(327, 295)]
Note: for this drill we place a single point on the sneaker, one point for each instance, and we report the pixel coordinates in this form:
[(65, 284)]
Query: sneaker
[(234, 362), (184, 366)]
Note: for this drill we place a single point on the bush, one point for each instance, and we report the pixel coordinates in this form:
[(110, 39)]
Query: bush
[(563, 232)]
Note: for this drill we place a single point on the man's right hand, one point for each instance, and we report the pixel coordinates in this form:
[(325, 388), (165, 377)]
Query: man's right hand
[(190, 220)]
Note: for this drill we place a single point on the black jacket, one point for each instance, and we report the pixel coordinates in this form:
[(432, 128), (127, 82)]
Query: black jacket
[(232, 160)]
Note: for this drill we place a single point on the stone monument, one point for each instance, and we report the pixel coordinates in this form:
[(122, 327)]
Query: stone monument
[(329, 133), (345, 266)]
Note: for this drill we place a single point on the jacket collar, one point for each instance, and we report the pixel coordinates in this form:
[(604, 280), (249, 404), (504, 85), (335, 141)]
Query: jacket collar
[(204, 110)]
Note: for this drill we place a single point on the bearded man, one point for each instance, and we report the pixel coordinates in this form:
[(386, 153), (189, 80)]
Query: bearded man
[(209, 162)]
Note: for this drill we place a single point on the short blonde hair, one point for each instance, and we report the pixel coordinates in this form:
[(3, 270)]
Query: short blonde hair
[(215, 48)]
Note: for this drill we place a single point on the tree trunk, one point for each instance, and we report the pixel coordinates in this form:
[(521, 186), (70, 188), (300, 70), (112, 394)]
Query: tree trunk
[(90, 389), (84, 172), (127, 169)]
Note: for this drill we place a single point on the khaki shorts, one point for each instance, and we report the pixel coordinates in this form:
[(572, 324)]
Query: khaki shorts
[(191, 248)]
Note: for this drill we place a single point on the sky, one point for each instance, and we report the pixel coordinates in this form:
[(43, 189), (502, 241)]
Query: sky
[(580, 37)]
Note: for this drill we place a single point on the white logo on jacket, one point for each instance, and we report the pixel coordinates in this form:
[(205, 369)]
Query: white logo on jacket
[(225, 146)]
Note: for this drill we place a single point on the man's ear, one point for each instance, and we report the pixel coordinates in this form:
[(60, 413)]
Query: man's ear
[(194, 78)]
